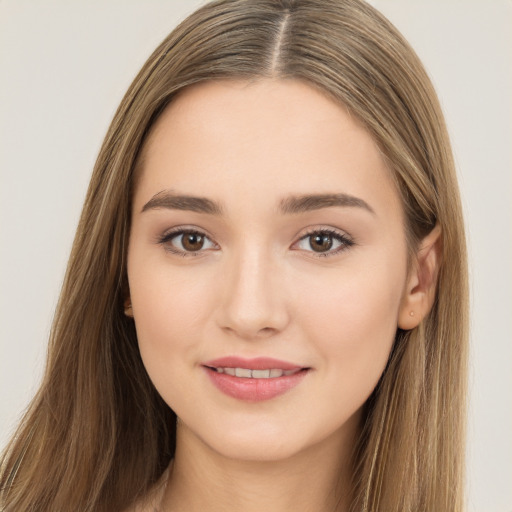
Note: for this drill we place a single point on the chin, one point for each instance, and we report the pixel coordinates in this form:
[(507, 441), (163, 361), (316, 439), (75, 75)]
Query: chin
[(270, 440), (251, 449), (252, 441)]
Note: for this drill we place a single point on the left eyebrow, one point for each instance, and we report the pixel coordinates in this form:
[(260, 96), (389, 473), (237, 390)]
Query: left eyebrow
[(168, 199), (306, 203)]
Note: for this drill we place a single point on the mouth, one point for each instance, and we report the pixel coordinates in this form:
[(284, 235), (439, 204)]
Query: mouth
[(254, 380), (247, 373)]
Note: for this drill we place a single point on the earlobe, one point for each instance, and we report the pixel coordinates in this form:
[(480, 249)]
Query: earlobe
[(128, 310), (420, 290)]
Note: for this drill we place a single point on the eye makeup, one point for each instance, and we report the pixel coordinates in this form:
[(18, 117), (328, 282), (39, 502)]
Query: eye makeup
[(325, 242), (188, 241)]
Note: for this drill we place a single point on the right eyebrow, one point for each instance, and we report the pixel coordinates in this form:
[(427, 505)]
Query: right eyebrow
[(170, 200), (301, 204)]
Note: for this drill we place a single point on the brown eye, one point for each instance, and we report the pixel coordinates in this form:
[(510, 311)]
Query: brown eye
[(187, 242), (192, 241), (321, 242), (324, 242)]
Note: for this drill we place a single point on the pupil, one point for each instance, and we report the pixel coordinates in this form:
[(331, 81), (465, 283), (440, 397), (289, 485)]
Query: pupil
[(321, 243), (192, 242)]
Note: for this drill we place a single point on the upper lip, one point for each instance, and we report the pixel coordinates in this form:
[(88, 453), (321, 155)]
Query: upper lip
[(257, 363)]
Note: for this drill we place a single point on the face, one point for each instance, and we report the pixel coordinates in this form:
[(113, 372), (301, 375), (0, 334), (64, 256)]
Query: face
[(267, 265)]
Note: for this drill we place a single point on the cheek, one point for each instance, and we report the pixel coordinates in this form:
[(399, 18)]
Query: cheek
[(166, 310), (170, 309), (353, 319)]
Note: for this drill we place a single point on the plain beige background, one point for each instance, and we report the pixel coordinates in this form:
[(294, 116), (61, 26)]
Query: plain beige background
[(64, 66)]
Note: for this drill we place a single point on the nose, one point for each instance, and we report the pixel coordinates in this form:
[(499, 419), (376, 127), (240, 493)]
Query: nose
[(254, 302)]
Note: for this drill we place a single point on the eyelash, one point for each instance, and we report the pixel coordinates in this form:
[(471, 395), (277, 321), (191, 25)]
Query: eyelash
[(344, 240)]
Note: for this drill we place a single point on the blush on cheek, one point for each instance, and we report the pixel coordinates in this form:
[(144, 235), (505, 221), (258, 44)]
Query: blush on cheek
[(170, 313), (357, 324)]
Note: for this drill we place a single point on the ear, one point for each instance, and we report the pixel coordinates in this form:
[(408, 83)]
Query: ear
[(128, 310), (125, 293), (420, 289)]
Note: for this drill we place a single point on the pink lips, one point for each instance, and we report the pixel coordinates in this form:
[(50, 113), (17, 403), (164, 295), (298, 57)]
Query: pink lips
[(254, 389)]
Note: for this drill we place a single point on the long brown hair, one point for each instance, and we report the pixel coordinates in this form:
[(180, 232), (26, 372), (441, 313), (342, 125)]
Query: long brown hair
[(97, 435)]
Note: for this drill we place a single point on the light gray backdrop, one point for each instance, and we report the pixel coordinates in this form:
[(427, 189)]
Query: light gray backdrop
[(64, 66)]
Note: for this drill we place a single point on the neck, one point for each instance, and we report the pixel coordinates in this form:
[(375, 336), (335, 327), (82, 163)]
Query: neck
[(202, 480)]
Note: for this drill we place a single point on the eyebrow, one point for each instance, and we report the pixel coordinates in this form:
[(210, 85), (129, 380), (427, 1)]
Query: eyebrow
[(306, 203), (168, 199), (290, 205)]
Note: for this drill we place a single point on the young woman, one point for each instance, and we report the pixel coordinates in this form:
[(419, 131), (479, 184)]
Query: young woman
[(266, 302)]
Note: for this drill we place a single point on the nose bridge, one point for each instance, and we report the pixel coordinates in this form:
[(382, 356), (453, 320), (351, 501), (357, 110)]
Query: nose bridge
[(254, 302)]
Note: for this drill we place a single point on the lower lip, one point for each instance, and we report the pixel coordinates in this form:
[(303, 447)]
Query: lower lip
[(254, 390)]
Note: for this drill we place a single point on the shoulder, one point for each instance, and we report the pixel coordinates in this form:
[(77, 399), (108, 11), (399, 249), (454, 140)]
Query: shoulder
[(145, 504), (151, 501), (148, 503), (141, 507)]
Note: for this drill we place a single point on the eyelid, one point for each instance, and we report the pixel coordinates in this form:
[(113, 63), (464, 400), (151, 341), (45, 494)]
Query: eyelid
[(168, 235), (346, 240)]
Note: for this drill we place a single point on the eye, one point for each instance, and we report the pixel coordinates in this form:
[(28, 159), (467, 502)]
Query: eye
[(324, 242), (186, 242)]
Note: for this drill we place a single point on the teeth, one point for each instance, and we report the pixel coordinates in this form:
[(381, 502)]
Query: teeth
[(260, 374), (242, 372), (246, 373)]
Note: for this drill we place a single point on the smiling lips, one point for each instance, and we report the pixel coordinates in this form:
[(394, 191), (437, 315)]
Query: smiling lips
[(254, 380)]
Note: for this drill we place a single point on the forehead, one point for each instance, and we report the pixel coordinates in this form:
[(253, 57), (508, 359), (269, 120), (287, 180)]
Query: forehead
[(268, 138)]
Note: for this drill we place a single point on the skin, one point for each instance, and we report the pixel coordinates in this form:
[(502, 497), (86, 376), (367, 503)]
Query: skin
[(257, 288)]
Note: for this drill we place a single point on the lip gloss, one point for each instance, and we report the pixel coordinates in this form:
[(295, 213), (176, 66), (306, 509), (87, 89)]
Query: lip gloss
[(248, 388)]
